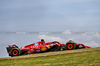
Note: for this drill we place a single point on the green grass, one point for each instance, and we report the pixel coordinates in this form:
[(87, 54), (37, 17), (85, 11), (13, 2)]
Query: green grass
[(73, 59)]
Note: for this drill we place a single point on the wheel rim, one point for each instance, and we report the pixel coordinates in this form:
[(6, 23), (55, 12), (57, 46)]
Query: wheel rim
[(15, 52), (70, 46)]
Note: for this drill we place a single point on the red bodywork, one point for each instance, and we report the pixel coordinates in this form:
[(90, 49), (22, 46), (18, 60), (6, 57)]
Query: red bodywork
[(82, 46), (39, 47)]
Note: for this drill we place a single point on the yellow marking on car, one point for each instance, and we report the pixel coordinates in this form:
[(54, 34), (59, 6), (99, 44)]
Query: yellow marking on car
[(43, 48), (48, 47), (59, 45)]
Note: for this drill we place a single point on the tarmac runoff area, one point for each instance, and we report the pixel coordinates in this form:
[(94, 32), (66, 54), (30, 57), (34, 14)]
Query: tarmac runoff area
[(53, 53)]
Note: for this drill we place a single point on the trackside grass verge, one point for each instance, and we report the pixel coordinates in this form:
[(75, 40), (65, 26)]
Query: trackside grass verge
[(89, 58)]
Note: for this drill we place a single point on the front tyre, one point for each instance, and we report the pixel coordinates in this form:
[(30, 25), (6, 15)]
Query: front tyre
[(70, 46)]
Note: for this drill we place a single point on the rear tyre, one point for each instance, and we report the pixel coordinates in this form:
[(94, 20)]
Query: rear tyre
[(14, 52)]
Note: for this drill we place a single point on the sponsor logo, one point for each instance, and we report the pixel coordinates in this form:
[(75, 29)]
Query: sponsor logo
[(36, 44), (43, 48), (31, 51), (37, 50)]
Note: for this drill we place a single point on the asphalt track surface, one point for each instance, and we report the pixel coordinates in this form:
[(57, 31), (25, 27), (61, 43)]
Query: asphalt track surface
[(53, 53)]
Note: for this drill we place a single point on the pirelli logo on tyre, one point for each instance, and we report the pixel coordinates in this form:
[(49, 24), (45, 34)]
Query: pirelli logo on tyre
[(43, 48)]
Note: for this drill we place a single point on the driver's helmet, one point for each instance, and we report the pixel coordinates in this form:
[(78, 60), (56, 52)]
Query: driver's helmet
[(42, 41)]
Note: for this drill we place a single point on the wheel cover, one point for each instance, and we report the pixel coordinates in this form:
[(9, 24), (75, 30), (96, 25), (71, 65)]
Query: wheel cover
[(15, 52), (70, 46)]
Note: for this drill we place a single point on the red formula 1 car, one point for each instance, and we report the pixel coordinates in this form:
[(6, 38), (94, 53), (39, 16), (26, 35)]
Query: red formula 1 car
[(41, 46)]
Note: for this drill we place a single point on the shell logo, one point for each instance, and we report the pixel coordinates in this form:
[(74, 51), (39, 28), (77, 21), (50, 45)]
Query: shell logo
[(43, 48)]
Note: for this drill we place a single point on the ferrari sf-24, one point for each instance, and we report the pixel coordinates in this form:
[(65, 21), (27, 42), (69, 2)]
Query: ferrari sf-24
[(41, 46)]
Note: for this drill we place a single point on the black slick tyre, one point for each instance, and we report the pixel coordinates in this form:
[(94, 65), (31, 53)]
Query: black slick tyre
[(14, 52), (70, 46)]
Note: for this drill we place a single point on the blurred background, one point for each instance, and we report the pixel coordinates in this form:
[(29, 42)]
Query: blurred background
[(23, 22)]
